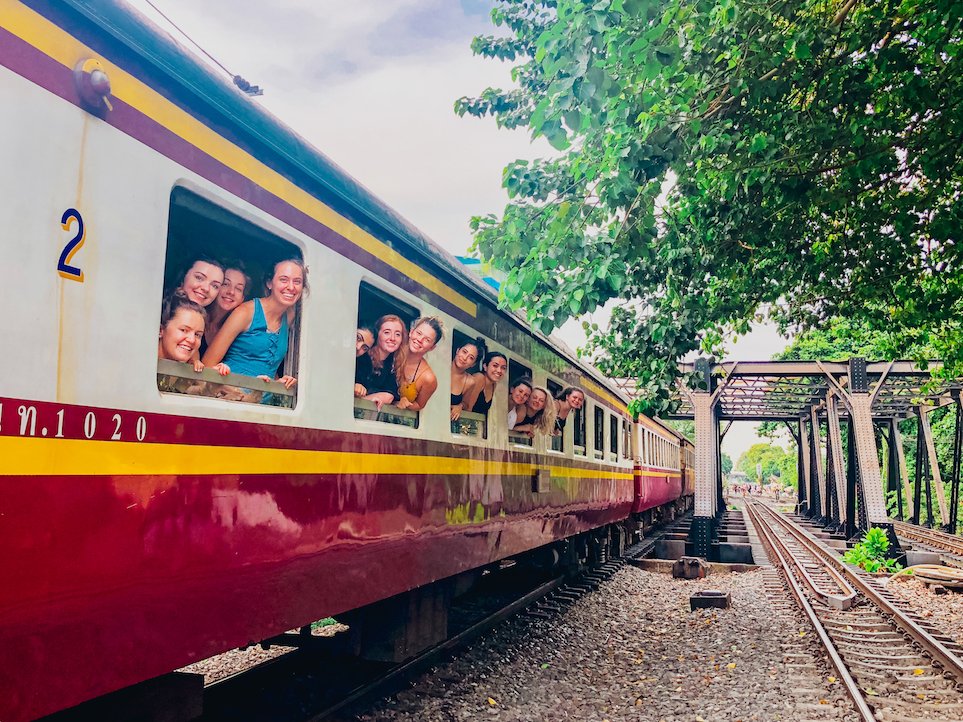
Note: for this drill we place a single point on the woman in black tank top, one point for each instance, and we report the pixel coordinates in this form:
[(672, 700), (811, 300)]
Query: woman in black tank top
[(570, 398), (494, 368), (463, 361)]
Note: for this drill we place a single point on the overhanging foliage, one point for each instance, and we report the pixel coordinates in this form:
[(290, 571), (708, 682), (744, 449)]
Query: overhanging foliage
[(813, 157)]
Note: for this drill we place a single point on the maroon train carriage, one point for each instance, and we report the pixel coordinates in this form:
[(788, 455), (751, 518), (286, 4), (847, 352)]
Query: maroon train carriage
[(143, 528)]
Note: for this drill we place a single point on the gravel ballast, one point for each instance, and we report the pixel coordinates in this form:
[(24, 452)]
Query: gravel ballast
[(633, 651), (944, 610)]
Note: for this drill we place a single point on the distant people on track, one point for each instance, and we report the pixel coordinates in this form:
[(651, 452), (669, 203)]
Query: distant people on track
[(494, 368), (416, 380), (462, 381), (539, 414), (253, 341), (570, 398)]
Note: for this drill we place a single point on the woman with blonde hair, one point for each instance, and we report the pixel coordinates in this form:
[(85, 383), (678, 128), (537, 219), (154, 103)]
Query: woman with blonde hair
[(416, 381), (539, 414)]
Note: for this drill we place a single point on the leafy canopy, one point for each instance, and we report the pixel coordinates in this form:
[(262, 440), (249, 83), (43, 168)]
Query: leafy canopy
[(775, 461), (718, 159)]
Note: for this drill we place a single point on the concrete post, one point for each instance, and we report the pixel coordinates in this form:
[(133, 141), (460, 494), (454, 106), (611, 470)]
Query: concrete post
[(957, 448), (706, 463)]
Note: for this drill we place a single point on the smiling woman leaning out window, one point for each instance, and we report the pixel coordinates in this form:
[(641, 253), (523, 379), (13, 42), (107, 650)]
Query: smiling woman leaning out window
[(416, 381), (254, 339), (374, 376)]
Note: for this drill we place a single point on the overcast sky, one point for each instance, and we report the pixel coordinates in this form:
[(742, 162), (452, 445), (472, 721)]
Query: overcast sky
[(371, 84)]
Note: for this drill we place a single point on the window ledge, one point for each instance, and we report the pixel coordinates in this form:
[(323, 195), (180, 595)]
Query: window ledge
[(196, 381), (521, 440), (368, 410), (470, 424)]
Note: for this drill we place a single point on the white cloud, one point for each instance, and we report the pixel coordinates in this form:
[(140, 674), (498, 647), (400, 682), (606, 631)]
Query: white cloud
[(372, 85)]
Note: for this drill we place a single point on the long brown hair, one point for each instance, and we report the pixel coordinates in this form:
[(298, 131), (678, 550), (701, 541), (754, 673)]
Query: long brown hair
[(377, 363)]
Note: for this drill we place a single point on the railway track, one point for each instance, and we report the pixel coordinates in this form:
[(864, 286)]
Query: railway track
[(949, 547), (311, 685), (893, 666)]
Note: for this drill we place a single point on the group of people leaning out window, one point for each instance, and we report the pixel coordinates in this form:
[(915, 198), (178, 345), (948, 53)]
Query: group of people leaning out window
[(391, 369), (206, 321)]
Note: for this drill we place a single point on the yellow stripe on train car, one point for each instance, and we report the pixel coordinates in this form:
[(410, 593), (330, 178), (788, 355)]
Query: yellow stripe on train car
[(32, 456), (68, 51)]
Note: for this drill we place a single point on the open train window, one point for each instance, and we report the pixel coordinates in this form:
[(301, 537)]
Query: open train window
[(558, 440), (598, 429), (614, 436), (215, 262), (466, 355), (376, 382), (626, 439), (517, 372)]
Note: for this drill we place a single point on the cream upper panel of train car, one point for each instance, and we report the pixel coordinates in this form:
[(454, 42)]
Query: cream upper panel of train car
[(40, 180), (89, 208)]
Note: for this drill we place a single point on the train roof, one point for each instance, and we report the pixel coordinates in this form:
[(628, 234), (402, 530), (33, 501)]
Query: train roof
[(195, 86)]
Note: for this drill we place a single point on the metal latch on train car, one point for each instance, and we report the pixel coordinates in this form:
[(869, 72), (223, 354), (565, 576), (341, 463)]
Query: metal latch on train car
[(542, 481), (93, 84)]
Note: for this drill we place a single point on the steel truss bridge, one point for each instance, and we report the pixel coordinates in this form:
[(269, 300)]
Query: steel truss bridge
[(816, 400)]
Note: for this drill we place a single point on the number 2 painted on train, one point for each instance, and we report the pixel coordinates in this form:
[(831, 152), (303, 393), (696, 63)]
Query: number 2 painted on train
[(71, 273)]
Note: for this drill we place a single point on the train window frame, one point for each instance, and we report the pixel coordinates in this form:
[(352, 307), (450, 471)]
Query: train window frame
[(370, 296), (469, 424), (626, 439), (235, 238), (517, 370), (613, 436), (557, 440), (598, 431), (579, 431)]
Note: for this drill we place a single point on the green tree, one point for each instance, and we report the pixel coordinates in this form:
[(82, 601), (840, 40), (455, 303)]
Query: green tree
[(840, 339), (719, 159), (684, 427), (726, 464), (775, 461)]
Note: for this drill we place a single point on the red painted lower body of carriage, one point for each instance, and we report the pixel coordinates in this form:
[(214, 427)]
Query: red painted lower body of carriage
[(112, 578)]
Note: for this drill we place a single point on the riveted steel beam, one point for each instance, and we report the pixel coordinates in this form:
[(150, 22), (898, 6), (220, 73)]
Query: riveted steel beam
[(937, 479), (819, 476), (802, 446), (835, 456), (870, 478)]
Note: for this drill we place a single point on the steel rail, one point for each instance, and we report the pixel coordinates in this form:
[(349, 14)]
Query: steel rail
[(769, 539), (937, 651), (940, 539), (837, 601)]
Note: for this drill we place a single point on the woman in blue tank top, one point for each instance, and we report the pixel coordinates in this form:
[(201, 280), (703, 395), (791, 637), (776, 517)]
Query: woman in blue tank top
[(254, 339)]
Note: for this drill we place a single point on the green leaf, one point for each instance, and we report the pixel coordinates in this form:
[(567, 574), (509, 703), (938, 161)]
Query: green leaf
[(759, 143)]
